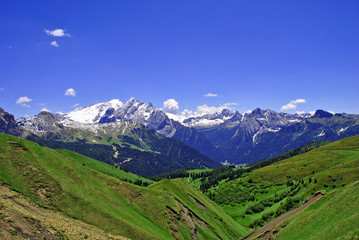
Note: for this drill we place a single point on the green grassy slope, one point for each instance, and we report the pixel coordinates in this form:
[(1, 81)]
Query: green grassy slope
[(267, 192), (54, 180), (335, 216), (204, 208), (330, 163), (103, 167)]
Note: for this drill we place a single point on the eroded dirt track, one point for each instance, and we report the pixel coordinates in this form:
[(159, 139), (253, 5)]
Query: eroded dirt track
[(269, 229)]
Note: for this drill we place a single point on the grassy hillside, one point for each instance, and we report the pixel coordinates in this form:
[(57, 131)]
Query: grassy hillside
[(64, 182), (336, 216), (22, 219), (203, 208), (105, 168), (270, 191)]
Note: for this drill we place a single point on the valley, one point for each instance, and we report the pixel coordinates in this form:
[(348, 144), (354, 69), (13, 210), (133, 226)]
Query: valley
[(179, 120)]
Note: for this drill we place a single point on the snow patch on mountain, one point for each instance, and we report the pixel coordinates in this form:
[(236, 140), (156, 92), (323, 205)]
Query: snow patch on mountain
[(202, 119), (93, 113), (321, 134), (342, 130)]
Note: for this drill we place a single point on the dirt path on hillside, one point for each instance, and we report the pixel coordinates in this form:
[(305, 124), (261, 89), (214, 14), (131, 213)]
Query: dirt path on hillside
[(269, 230)]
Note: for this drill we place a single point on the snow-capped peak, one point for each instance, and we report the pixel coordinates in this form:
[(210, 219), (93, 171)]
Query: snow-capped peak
[(93, 113)]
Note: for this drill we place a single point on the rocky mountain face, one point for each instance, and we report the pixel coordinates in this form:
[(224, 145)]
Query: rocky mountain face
[(261, 134), (41, 124), (9, 125)]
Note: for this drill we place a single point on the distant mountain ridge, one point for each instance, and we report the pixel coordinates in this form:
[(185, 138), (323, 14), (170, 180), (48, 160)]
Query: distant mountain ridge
[(226, 135), (261, 134), (143, 113), (126, 144)]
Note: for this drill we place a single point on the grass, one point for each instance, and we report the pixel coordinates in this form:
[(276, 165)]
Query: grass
[(103, 167), (57, 180), (327, 168), (209, 210), (335, 216)]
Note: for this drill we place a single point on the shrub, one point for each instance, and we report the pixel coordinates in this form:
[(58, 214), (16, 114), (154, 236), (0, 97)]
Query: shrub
[(256, 208), (249, 211), (258, 222), (290, 183), (267, 216), (279, 211), (281, 196), (268, 202)]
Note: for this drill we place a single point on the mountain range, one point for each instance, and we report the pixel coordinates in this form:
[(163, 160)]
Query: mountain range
[(226, 136)]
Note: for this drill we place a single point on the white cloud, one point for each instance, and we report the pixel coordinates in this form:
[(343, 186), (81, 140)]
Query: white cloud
[(186, 113), (2, 89), (205, 109), (170, 106), (299, 101), (57, 33), (23, 100), (293, 104), (230, 104), (55, 44), (211, 95), (70, 92), (45, 110), (312, 112), (75, 105)]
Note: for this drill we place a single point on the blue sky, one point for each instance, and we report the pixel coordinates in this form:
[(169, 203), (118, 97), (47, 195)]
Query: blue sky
[(263, 54)]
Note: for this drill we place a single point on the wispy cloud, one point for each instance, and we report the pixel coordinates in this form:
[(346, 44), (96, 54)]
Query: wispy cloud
[(70, 92), (23, 100), (75, 105), (205, 109), (170, 106), (293, 104), (55, 44), (230, 104), (2, 89), (211, 95), (57, 32)]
